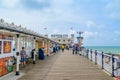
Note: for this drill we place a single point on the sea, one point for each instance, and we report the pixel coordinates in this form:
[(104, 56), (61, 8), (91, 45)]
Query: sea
[(105, 49)]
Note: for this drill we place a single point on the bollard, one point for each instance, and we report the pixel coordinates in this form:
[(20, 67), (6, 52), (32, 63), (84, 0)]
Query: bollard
[(102, 61), (17, 64), (34, 57), (113, 65)]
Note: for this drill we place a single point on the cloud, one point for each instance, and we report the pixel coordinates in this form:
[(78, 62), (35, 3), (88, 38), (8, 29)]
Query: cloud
[(113, 9), (95, 26), (90, 35), (59, 15), (35, 4), (9, 3), (90, 24), (56, 31), (58, 3)]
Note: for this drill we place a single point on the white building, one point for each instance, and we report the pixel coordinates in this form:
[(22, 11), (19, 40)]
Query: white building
[(63, 38)]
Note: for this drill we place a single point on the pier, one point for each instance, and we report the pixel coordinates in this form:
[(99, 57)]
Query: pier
[(59, 40), (57, 65), (64, 66)]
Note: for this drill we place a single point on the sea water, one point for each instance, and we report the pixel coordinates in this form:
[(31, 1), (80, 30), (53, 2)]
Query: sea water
[(105, 49)]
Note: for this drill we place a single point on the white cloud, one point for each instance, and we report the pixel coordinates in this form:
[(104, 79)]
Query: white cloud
[(41, 1), (55, 31), (53, 16), (90, 24), (90, 35), (113, 9), (58, 3), (10, 3), (93, 25), (60, 15)]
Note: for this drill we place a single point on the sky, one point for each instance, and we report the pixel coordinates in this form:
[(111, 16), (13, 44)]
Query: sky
[(99, 20)]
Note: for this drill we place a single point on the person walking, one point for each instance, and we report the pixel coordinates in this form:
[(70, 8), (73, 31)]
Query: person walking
[(73, 49), (23, 57), (76, 49), (63, 48)]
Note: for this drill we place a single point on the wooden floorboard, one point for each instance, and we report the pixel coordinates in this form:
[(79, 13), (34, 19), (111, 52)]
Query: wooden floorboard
[(64, 66)]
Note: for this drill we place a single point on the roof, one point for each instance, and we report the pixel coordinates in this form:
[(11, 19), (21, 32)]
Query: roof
[(14, 28)]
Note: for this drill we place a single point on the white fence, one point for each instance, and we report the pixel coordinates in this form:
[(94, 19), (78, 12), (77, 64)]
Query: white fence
[(110, 63)]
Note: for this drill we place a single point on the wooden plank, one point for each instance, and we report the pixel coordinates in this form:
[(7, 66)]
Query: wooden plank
[(65, 66)]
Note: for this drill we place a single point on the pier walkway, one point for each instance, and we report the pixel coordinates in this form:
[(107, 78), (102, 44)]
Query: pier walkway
[(65, 66), (61, 66)]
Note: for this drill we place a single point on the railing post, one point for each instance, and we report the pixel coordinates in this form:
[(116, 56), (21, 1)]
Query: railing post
[(91, 54), (88, 53), (113, 65), (102, 60), (95, 56)]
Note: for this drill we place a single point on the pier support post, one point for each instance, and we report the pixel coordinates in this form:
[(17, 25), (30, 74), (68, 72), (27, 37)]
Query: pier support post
[(17, 56), (113, 65), (102, 61)]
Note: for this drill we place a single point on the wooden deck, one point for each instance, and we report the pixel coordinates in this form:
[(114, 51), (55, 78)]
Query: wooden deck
[(64, 66)]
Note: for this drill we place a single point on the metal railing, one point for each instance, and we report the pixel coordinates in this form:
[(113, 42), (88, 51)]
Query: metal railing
[(109, 63)]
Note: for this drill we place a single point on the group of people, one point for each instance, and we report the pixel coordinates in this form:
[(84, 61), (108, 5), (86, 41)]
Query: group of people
[(41, 53), (65, 47), (24, 56), (77, 49)]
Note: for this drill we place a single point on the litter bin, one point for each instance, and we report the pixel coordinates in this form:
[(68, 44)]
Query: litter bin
[(10, 68)]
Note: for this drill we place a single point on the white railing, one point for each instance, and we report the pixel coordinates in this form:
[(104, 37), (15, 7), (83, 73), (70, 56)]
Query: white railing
[(110, 63)]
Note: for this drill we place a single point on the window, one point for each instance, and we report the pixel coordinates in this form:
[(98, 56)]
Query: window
[(68, 40), (7, 47), (64, 40), (59, 40)]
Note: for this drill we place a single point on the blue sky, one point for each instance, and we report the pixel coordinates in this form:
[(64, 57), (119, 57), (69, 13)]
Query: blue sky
[(98, 19)]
